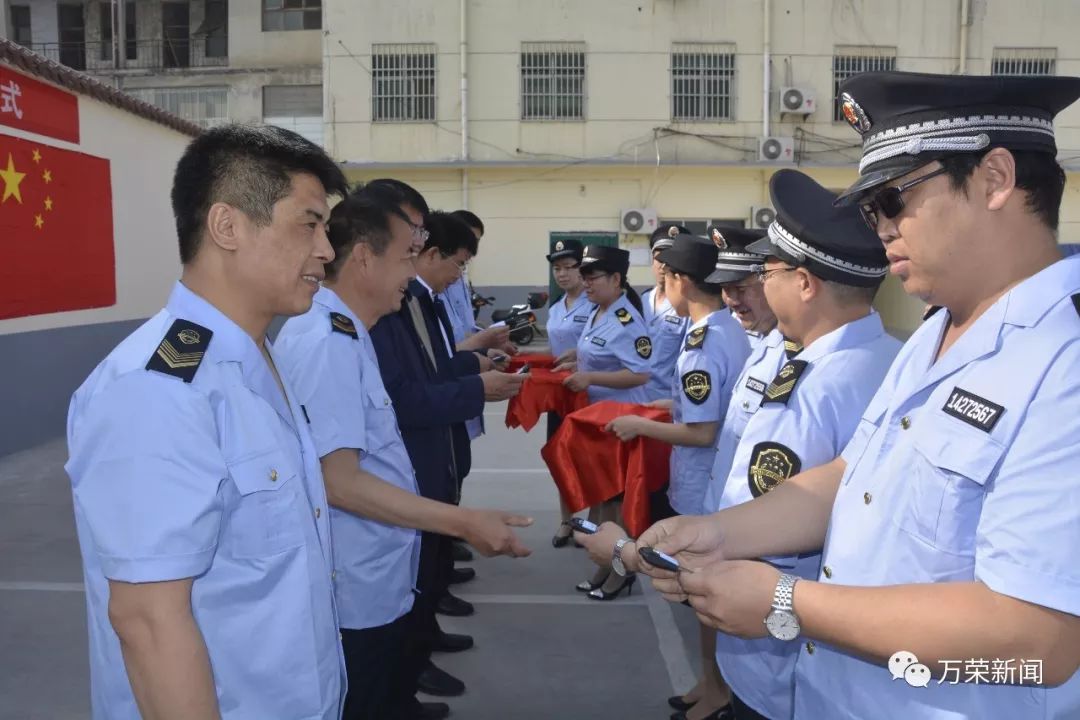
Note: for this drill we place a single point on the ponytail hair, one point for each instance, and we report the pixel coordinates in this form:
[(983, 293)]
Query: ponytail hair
[(632, 296)]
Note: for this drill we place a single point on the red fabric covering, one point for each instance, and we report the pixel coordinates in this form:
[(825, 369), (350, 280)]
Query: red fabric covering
[(534, 360), (590, 465), (542, 392)]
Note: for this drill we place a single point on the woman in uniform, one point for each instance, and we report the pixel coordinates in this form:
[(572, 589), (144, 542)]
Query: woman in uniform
[(612, 362), (666, 328), (566, 320)]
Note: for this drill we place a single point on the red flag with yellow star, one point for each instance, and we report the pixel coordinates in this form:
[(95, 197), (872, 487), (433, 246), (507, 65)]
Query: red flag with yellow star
[(56, 230)]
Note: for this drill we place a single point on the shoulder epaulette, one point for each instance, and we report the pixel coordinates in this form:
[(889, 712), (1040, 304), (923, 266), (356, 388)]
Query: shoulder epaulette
[(181, 350), (783, 385), (934, 308), (791, 348), (342, 324), (696, 338), (624, 316)]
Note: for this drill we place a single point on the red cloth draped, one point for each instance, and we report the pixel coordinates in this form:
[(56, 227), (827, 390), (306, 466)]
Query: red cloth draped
[(542, 392), (534, 360), (590, 465)]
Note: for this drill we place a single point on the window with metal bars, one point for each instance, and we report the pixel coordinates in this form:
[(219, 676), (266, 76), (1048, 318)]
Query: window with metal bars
[(1024, 61), (702, 82), (403, 83), (291, 15), (852, 60), (553, 81), (206, 106), (20, 25)]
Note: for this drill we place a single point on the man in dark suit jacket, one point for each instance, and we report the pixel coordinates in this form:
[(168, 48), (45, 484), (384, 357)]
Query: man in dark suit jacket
[(435, 390)]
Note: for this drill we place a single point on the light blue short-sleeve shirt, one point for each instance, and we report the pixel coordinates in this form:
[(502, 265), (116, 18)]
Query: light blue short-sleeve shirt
[(836, 375), (760, 368), (667, 331), (963, 469), (458, 301), (216, 479), (336, 377), (712, 357), (565, 324), (616, 341)]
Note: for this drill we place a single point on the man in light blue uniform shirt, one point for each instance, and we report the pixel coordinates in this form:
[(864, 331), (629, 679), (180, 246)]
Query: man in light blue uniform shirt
[(666, 328), (328, 355), (810, 409), (199, 501), (948, 586)]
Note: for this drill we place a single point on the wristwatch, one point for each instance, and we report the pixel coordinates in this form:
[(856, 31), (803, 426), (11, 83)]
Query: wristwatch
[(782, 623), (616, 557)]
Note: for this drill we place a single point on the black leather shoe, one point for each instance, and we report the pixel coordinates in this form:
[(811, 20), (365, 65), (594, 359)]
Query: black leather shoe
[(452, 642), (435, 681), (461, 553), (462, 575), (677, 703), (454, 606)]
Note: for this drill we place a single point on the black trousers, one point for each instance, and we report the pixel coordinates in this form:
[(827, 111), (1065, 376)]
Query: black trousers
[(373, 658), (744, 711)]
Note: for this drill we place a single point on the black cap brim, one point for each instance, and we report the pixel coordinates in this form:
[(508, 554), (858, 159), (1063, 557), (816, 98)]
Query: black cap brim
[(764, 246), (723, 277), (576, 254)]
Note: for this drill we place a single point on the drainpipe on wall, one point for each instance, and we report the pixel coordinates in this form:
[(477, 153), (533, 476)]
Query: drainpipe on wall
[(766, 69), (965, 25), (463, 49)]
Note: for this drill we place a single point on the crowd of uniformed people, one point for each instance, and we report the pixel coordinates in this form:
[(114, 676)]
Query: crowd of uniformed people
[(270, 530)]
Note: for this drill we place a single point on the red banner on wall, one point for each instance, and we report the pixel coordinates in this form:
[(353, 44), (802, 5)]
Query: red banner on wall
[(56, 230), (31, 105)]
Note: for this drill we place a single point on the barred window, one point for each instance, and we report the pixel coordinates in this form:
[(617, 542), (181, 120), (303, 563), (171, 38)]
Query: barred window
[(851, 60), (552, 81), (291, 15), (702, 81), (1024, 61), (206, 106), (403, 82)]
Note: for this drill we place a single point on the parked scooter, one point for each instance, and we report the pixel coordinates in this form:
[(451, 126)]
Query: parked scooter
[(521, 318)]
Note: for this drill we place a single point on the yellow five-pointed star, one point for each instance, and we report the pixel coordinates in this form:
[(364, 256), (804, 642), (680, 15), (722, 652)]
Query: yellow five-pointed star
[(47, 176), (37, 155), (39, 222), (11, 180), (48, 203)]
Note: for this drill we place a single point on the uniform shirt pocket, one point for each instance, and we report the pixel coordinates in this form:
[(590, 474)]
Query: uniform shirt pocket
[(265, 520), (946, 485), (380, 420)]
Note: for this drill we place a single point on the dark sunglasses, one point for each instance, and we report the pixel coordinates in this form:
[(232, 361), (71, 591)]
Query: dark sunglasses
[(889, 201)]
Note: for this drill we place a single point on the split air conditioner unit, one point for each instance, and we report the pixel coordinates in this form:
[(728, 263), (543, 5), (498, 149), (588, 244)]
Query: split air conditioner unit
[(638, 221)]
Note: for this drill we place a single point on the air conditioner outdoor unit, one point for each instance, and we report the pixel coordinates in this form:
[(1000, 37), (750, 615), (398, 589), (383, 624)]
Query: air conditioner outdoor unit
[(798, 100), (776, 149), (761, 217), (638, 221)]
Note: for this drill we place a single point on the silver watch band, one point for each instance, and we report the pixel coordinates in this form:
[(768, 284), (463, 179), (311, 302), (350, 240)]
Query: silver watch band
[(785, 592), (616, 557)]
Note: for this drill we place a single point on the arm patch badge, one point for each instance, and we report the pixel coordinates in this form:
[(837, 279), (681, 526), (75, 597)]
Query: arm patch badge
[(643, 345), (624, 316), (696, 338), (770, 465), (697, 385), (342, 324), (181, 350), (783, 385)]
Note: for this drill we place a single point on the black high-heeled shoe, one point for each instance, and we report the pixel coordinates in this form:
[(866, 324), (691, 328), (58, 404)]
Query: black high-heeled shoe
[(590, 585), (678, 703), (627, 584), (558, 540)]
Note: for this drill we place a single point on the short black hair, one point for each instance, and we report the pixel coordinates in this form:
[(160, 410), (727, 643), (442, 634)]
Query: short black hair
[(248, 167), (410, 195), (362, 217), (470, 218), (1038, 174), (449, 234)]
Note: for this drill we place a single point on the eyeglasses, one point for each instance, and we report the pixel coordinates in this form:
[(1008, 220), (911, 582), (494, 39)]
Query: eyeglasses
[(588, 279), (419, 232), (763, 274), (460, 265), (890, 201)]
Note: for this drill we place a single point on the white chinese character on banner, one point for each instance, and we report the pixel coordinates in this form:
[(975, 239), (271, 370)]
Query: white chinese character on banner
[(949, 668), (978, 671), (1003, 672), (9, 97), (1031, 672)]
